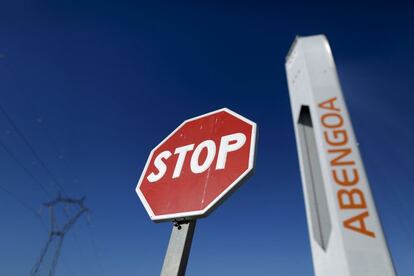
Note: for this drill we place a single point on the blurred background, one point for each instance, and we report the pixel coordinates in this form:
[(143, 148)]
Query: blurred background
[(88, 88)]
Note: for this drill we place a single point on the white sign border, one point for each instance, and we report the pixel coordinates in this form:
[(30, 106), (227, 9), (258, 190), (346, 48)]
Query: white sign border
[(218, 199)]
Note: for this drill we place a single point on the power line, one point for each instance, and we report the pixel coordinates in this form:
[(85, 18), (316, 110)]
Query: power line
[(45, 167), (24, 168), (24, 205), (74, 233), (32, 150), (93, 244), (42, 163)]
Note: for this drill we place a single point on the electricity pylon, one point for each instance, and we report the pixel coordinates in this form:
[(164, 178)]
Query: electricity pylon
[(57, 234)]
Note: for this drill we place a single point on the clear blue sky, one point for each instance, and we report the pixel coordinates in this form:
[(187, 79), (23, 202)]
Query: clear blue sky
[(94, 85)]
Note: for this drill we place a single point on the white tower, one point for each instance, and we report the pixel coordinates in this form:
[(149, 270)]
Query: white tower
[(345, 231)]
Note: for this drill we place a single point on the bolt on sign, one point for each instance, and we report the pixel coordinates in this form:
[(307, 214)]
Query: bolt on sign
[(197, 166), (345, 231)]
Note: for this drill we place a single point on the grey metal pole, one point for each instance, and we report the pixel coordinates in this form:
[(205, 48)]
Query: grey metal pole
[(175, 261)]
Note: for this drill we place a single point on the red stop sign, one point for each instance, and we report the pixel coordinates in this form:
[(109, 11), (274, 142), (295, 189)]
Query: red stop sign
[(197, 165)]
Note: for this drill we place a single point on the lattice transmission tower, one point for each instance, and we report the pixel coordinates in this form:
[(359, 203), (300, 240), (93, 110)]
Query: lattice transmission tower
[(49, 256)]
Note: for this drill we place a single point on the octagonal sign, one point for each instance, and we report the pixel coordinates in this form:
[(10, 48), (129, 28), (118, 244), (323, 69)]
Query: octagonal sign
[(200, 163)]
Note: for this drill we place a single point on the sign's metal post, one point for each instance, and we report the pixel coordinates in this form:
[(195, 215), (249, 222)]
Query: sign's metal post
[(175, 261)]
